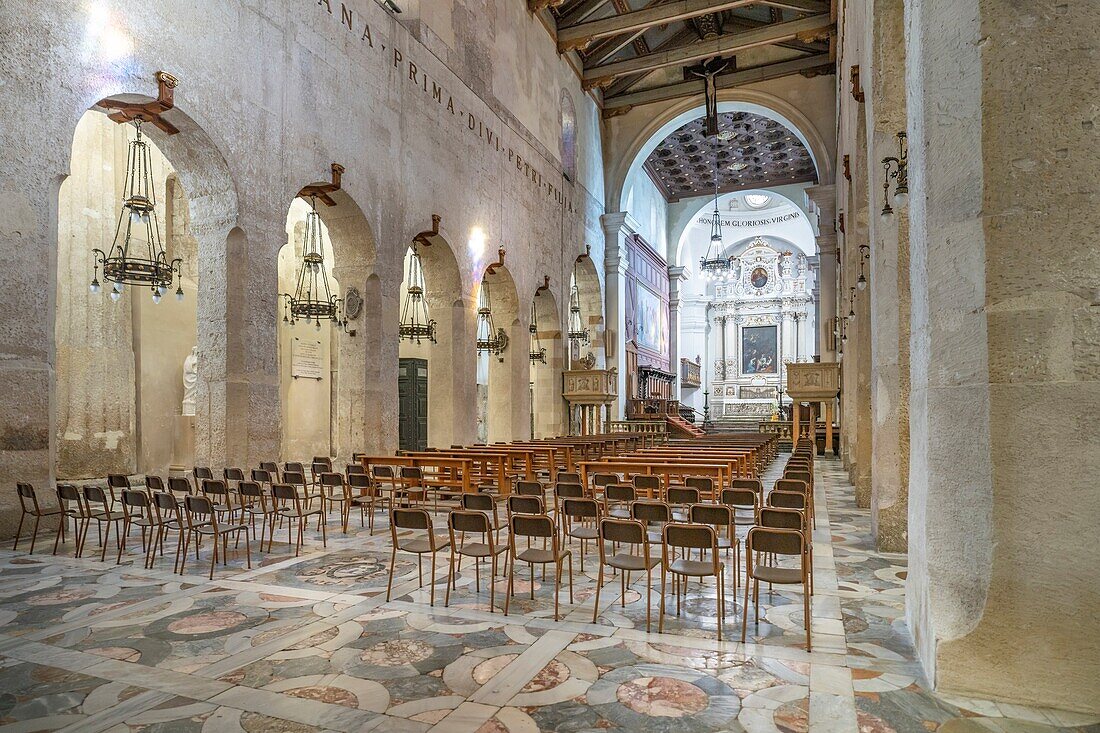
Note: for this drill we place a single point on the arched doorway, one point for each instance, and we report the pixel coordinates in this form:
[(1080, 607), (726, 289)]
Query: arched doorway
[(503, 388), (586, 309), (547, 358), (133, 373), (435, 417), (328, 370)]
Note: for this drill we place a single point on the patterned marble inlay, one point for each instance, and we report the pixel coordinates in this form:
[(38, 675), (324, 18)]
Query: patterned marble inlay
[(310, 644)]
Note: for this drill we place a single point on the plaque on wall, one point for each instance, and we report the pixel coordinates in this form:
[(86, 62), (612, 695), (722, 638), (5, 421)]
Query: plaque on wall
[(305, 359), (757, 393)]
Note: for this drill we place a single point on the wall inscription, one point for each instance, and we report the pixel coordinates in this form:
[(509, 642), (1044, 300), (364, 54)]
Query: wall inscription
[(355, 22), (305, 359)]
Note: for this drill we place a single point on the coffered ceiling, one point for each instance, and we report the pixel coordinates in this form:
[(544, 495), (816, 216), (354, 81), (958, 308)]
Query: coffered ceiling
[(752, 151), (641, 51)]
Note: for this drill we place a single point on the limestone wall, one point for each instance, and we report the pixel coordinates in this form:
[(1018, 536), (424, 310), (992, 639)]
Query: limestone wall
[(433, 118)]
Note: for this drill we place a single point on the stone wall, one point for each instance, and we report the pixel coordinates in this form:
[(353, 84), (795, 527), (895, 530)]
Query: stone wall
[(432, 118)]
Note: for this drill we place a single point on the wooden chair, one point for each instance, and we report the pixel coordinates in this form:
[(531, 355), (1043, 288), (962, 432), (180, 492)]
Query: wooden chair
[(179, 486), (703, 484), (646, 485), (28, 505), (104, 516), (721, 518), (137, 509), (753, 484), (650, 512), (477, 523), (232, 477), (415, 519), (580, 520), (201, 473), (691, 537), (617, 499), (798, 486), (680, 498), (742, 500), (792, 518), (292, 506), (202, 520), (334, 491), (218, 492), (255, 503), (153, 484), (568, 477), (169, 519), (626, 532), (521, 504), (71, 501), (382, 475), (413, 487), (272, 468), (762, 542), (534, 526), (364, 496), (485, 504), (600, 481), (297, 479)]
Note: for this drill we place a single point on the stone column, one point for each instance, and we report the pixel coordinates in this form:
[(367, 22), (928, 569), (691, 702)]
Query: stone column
[(857, 362), (888, 287), (788, 336), (676, 275), (617, 227), (1003, 564), (823, 200)]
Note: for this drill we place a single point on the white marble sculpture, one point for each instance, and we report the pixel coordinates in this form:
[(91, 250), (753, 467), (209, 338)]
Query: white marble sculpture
[(190, 380)]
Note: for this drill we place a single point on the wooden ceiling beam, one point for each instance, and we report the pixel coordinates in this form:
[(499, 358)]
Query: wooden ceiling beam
[(584, 9), (803, 29), (801, 6), (578, 36), (722, 81)]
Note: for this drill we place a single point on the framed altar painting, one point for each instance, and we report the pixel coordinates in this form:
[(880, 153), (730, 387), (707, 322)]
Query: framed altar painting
[(759, 350)]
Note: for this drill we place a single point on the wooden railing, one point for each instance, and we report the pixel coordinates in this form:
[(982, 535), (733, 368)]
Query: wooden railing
[(638, 426), (691, 373)]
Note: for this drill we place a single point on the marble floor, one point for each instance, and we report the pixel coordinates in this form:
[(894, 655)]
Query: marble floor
[(310, 643)]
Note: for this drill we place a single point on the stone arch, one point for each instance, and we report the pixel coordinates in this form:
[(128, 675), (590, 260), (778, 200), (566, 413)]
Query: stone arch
[(504, 405), (339, 414), (195, 193), (728, 100), (809, 249), (590, 298), (547, 405), (451, 361)]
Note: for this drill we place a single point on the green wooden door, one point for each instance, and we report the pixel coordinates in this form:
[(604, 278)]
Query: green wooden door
[(412, 389)]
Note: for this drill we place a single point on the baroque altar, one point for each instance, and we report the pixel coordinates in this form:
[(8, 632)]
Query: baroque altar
[(761, 319)]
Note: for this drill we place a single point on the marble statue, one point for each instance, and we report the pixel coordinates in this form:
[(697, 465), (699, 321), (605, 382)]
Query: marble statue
[(190, 380)]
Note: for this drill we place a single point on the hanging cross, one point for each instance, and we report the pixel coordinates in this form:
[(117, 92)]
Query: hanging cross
[(708, 71)]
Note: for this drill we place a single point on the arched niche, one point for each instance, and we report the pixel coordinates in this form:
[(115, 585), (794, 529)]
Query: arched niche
[(503, 389), (449, 360), (338, 414), (118, 382), (590, 299), (547, 405)]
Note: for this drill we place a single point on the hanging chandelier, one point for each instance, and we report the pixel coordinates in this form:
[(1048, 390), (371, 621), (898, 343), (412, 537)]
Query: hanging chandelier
[(577, 332), (490, 339), (538, 353), (713, 265), (415, 323), (312, 300), (136, 255)]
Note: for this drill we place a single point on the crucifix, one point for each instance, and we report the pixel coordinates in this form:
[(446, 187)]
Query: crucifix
[(708, 71)]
